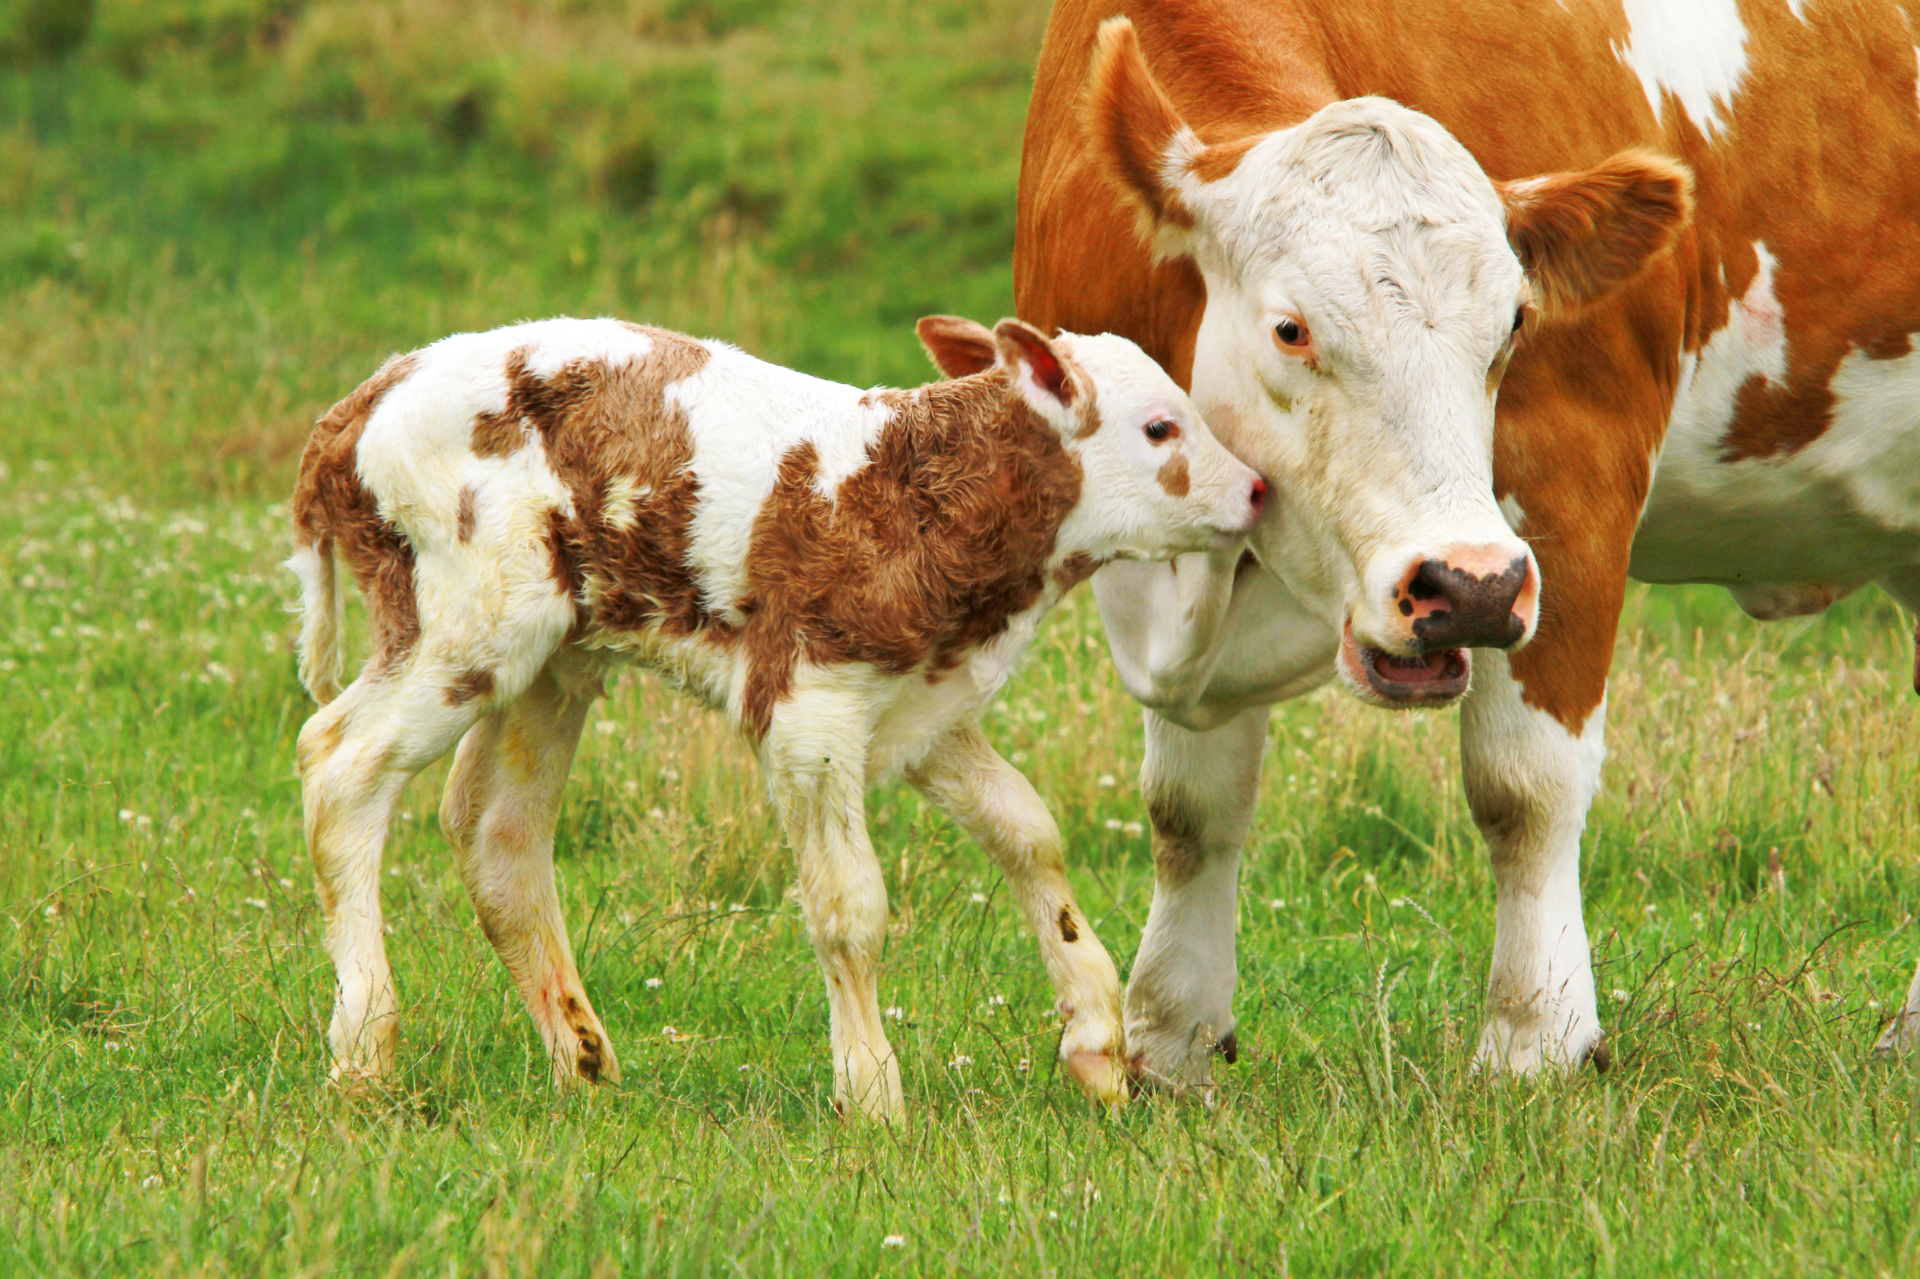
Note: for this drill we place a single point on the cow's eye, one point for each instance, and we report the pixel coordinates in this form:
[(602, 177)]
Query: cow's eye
[(1291, 332), (1519, 318), (1161, 431)]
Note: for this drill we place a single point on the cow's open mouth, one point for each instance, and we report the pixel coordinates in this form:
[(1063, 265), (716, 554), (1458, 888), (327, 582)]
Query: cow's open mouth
[(1429, 679)]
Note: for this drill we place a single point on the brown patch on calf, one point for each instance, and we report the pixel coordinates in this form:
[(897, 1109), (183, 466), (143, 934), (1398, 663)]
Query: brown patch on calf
[(334, 511), (470, 685), (921, 555), (603, 426), (1173, 475), (1068, 933), (1075, 569), (463, 520), (589, 1061)]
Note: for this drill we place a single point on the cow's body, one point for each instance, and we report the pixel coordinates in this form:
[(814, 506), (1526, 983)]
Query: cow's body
[(848, 575), (1742, 409)]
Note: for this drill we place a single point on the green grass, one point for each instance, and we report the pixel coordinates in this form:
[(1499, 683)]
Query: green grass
[(163, 996)]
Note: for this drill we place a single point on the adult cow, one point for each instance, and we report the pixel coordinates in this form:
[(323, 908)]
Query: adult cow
[(1703, 370)]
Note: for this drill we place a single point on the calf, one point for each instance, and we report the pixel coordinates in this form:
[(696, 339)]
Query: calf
[(849, 575)]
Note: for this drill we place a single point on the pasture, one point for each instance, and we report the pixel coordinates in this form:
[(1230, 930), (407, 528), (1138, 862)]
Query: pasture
[(216, 216)]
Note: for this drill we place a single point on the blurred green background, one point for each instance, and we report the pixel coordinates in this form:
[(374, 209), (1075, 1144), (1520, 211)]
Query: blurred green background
[(217, 216)]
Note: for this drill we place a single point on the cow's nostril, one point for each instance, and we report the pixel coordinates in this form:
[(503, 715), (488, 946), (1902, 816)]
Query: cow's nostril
[(1259, 497), (1429, 582), (1461, 608)]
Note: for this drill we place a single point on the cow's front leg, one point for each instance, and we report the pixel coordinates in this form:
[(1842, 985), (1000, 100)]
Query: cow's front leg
[(815, 755), (1200, 790), (992, 802), (1530, 778)]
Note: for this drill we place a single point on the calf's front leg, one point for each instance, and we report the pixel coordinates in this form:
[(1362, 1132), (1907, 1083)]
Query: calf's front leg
[(990, 800), (815, 758)]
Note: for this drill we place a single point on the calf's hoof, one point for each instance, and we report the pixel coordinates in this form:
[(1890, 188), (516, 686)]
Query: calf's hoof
[(1104, 1076)]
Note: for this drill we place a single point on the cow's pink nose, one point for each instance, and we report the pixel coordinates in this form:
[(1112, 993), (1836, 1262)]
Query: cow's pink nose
[(1469, 597), (1259, 495)]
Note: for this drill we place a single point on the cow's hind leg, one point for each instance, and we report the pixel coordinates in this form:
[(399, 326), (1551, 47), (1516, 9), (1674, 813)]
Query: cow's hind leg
[(501, 803), (1200, 790), (992, 802), (356, 757)]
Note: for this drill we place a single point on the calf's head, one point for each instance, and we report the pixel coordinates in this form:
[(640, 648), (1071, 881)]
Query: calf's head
[(1154, 481), (1366, 285)]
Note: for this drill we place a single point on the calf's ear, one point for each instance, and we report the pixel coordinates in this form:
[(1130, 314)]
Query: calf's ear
[(960, 348), (1582, 235), (1039, 371)]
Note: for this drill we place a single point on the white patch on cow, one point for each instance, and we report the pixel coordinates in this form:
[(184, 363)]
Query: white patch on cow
[(745, 416), (1798, 8), (1697, 51), (1789, 530), (1515, 513)]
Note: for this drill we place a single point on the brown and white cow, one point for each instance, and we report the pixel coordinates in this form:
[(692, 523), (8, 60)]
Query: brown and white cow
[(849, 575), (1679, 243)]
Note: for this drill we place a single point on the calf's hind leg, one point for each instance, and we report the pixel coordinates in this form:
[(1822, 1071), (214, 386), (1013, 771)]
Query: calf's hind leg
[(999, 808), (356, 757), (498, 811)]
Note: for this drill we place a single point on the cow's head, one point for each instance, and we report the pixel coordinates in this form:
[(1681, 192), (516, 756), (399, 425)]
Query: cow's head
[(1154, 481), (1367, 283)]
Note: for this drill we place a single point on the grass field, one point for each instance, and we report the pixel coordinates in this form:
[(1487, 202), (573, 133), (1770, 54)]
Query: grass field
[(217, 215)]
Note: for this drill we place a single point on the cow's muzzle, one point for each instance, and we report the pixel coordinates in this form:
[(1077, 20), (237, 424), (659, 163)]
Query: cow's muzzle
[(1469, 597)]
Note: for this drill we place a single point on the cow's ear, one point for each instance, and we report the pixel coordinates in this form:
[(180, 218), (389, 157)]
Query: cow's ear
[(1039, 370), (1139, 139), (1582, 235), (960, 348)]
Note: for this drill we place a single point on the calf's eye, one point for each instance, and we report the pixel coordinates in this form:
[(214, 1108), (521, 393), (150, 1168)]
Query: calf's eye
[(1519, 318), (1291, 332), (1161, 431)]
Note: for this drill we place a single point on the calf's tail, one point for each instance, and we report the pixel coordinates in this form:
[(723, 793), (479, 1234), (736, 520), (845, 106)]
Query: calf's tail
[(322, 596)]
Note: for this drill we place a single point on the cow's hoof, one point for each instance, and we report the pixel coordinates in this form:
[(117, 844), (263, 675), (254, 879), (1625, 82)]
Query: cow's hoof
[(1507, 1049)]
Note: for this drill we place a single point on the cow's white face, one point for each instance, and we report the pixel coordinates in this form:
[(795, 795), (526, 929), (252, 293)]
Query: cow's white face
[(1155, 483), (1361, 301), (1365, 289)]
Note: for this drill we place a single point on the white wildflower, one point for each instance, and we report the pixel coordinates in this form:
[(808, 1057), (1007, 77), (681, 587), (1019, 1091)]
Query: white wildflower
[(894, 1241), (654, 983)]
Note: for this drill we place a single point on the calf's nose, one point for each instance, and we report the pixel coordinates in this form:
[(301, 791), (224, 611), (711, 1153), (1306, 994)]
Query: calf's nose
[(1469, 597)]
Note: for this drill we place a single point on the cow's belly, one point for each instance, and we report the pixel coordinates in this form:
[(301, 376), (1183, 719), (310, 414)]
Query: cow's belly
[(1791, 532)]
